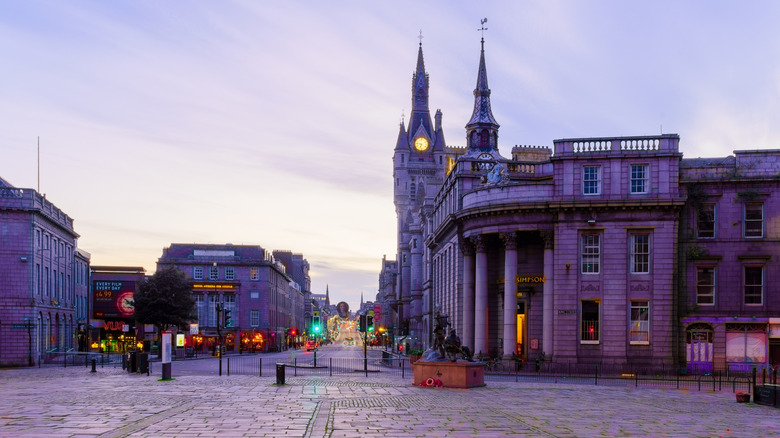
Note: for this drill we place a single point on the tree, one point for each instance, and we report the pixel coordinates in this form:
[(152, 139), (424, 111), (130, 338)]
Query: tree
[(165, 300)]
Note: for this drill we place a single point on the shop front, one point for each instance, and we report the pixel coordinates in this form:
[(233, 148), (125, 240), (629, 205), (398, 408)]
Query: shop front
[(253, 341)]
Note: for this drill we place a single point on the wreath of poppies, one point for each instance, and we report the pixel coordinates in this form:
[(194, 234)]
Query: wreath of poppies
[(430, 382)]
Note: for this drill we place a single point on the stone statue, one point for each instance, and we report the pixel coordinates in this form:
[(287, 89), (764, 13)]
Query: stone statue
[(454, 350)]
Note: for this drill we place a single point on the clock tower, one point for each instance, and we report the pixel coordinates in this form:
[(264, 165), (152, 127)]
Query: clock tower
[(419, 169)]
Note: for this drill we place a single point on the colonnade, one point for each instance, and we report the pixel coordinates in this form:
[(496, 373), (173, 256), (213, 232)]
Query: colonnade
[(475, 294)]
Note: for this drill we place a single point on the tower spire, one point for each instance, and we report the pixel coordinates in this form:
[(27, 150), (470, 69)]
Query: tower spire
[(482, 129)]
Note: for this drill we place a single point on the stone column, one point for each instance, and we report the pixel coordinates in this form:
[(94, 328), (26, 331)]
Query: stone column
[(547, 294), (510, 295), (467, 337), (480, 297)]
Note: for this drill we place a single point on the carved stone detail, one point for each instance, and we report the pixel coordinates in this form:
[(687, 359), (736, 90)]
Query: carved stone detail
[(510, 240), (480, 242), (590, 287), (549, 238)]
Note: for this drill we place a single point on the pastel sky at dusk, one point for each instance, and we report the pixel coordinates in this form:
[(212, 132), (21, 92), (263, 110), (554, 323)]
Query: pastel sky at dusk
[(274, 123)]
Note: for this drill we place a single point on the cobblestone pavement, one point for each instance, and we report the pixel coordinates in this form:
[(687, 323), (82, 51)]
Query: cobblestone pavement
[(73, 402)]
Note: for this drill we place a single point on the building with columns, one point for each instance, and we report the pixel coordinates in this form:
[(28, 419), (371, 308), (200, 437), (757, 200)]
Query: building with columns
[(582, 252)]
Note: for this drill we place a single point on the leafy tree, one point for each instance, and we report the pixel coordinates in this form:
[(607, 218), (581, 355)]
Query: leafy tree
[(165, 300)]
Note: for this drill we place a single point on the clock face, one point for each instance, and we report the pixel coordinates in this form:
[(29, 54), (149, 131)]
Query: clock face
[(125, 304), (421, 144)]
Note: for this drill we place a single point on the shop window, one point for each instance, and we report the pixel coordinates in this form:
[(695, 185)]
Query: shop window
[(590, 253), (639, 332), (639, 178), (705, 285), (754, 285), (640, 253), (589, 319), (746, 344), (754, 220), (591, 180)]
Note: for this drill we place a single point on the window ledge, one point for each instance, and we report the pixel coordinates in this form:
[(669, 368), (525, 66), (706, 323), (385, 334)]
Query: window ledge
[(589, 342), (640, 342)]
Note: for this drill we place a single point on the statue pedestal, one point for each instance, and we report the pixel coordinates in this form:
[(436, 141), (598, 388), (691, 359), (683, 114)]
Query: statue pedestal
[(451, 374)]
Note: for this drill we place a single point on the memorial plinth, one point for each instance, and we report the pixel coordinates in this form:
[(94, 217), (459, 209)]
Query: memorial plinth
[(451, 374)]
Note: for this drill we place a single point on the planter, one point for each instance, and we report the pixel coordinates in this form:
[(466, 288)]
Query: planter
[(414, 358), (448, 374), (742, 396)]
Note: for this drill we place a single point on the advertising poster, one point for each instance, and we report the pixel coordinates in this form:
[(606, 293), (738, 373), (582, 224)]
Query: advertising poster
[(113, 299)]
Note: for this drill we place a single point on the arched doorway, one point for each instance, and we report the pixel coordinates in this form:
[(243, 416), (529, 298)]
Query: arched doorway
[(699, 347)]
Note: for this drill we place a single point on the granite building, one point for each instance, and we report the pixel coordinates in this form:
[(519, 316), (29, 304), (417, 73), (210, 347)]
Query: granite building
[(250, 283), (608, 250), (43, 278)]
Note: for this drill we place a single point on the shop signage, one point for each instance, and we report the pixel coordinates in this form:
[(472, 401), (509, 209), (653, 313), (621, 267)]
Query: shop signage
[(194, 329), (214, 286), (179, 340), (530, 279)]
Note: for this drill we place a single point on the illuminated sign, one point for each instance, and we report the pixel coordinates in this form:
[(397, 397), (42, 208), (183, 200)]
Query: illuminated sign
[(530, 279), (113, 299), (214, 286), (179, 340)]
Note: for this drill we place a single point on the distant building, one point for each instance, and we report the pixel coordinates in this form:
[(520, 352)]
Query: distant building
[(43, 278), (248, 281), (113, 308)]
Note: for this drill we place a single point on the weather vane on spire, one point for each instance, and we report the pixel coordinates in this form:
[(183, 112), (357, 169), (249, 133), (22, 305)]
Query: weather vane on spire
[(420, 37), (483, 28)]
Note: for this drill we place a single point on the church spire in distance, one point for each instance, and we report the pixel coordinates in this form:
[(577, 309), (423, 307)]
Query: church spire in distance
[(482, 129)]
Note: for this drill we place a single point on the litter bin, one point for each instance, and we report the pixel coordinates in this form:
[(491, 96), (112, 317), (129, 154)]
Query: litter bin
[(132, 362), (280, 374), (143, 362)]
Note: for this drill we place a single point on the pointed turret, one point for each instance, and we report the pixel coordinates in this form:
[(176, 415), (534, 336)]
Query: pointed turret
[(482, 129), (420, 125)]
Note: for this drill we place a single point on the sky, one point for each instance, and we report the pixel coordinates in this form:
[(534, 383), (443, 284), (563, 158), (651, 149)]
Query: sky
[(274, 123)]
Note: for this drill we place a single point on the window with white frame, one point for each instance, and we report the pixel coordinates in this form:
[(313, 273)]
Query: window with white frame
[(705, 221), (197, 273), (213, 273), (230, 273), (254, 274), (212, 310), (639, 331), (200, 308), (640, 254), (591, 180), (754, 219), (590, 253), (254, 318), (754, 285), (589, 322), (639, 178), (705, 285)]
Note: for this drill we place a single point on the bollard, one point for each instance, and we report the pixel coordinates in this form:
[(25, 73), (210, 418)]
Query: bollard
[(94, 366), (280, 374)]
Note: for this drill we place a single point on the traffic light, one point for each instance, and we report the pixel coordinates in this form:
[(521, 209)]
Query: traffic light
[(315, 324), (228, 321), (370, 323), (362, 323)]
